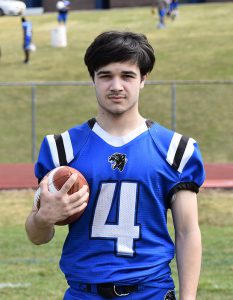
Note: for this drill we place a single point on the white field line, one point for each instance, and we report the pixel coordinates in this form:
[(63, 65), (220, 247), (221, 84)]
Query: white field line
[(13, 285)]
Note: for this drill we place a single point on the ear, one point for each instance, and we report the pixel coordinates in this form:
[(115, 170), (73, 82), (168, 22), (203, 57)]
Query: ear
[(143, 79)]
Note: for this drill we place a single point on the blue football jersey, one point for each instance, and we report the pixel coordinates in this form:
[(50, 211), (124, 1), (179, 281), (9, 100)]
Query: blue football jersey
[(27, 28), (122, 236)]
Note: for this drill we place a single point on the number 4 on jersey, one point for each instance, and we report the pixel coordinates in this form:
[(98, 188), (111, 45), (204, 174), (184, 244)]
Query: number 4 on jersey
[(125, 231)]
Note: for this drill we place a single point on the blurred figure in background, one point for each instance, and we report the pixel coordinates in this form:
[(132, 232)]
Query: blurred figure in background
[(62, 8), (162, 10), (173, 9), (27, 38)]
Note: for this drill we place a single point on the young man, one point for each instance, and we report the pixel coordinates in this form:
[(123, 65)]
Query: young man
[(136, 170), (27, 38)]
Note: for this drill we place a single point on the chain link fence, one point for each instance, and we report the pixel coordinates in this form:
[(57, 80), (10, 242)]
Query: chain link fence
[(30, 110)]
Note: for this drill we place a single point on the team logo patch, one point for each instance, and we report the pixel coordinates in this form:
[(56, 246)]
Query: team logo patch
[(170, 296), (117, 161)]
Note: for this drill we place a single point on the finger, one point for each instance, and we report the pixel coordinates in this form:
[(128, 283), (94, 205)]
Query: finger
[(44, 184), (84, 191), (80, 201), (78, 208), (69, 183), (41, 192)]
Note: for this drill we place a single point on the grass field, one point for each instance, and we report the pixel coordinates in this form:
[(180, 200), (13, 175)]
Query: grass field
[(33, 270), (197, 46)]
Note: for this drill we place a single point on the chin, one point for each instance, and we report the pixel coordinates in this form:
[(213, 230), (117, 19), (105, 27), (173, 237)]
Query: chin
[(116, 112)]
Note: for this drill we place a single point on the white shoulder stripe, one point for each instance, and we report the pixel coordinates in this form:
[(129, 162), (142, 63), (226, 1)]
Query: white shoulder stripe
[(68, 146), (187, 154), (173, 147), (53, 149)]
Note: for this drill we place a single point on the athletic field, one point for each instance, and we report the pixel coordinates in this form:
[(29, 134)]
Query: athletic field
[(31, 272), (197, 46)]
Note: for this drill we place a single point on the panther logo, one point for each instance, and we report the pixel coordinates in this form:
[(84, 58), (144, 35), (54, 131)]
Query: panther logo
[(117, 161)]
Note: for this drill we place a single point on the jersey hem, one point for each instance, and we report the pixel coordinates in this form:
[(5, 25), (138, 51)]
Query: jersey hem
[(190, 186)]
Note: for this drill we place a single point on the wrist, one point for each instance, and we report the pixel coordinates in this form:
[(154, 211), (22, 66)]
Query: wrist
[(187, 297), (41, 222)]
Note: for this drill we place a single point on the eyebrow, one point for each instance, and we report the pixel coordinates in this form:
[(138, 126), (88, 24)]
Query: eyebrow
[(131, 73), (102, 72)]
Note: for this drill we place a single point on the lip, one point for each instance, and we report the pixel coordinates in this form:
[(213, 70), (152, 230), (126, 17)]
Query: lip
[(116, 97)]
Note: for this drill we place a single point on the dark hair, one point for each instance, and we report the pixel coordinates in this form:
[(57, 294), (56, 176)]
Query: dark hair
[(116, 46), (23, 19)]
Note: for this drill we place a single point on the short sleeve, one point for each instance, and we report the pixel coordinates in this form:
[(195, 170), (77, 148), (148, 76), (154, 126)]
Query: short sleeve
[(45, 161), (191, 175)]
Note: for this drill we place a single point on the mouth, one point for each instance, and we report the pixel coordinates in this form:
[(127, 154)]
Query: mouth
[(116, 97)]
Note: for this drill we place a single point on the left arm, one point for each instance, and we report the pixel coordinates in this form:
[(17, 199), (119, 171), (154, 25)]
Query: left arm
[(188, 243)]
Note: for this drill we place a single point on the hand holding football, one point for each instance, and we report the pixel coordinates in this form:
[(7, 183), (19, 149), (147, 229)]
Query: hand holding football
[(56, 179)]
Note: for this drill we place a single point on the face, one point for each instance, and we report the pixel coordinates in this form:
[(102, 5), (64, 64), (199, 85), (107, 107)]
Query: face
[(117, 87)]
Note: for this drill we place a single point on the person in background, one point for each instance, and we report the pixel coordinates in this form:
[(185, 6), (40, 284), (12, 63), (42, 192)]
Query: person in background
[(162, 10), (27, 38), (173, 9), (137, 170), (63, 7)]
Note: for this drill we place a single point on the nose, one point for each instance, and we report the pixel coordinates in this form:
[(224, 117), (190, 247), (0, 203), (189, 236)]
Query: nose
[(116, 84)]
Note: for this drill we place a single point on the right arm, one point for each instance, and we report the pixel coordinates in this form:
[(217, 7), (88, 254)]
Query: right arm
[(38, 231), (54, 207)]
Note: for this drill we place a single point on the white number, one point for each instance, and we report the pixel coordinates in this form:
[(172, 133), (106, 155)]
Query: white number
[(125, 231)]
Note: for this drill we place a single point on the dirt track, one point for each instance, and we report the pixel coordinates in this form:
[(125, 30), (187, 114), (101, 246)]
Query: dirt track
[(21, 176)]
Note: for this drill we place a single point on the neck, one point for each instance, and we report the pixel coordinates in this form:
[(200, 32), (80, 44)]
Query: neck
[(119, 125)]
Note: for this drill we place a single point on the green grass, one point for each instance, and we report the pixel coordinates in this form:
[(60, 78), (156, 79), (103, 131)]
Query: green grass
[(197, 46), (36, 267)]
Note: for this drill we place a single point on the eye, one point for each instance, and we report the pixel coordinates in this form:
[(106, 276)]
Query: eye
[(128, 76), (104, 76)]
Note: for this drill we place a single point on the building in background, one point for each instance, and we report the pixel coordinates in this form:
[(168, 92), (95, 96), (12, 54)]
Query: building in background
[(97, 4), (50, 5), (33, 3)]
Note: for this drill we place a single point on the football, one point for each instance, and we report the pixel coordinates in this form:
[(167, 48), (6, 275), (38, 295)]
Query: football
[(56, 179)]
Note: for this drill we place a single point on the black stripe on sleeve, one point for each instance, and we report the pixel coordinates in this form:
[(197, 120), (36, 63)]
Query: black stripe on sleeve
[(60, 149), (180, 152)]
